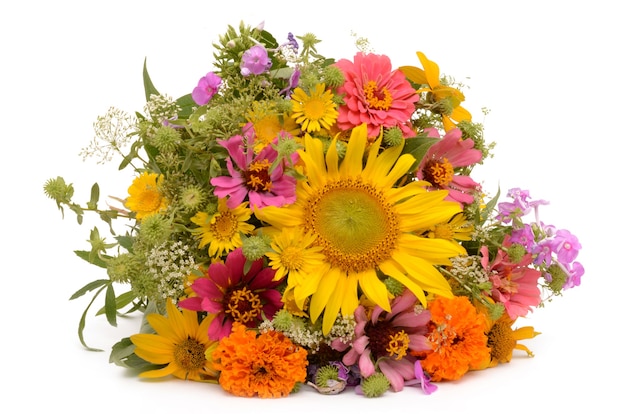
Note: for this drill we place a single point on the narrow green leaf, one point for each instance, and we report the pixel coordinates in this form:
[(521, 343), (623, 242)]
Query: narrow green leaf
[(87, 256), (95, 196), (110, 305), (82, 323), (120, 302), (89, 287), (147, 82)]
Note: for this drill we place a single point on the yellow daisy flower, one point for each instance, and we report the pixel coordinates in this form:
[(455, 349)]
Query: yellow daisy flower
[(222, 231), (430, 76), (457, 228), (365, 225), (180, 343), (145, 197), (502, 340), (315, 111), (268, 124)]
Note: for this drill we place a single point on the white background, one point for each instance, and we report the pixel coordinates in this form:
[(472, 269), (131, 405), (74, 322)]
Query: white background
[(550, 72)]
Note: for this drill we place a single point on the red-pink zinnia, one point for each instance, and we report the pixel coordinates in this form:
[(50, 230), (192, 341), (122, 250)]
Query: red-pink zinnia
[(375, 94), (513, 284)]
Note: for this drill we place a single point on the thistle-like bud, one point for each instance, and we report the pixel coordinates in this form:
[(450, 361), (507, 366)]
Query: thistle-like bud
[(56, 189), (375, 385)]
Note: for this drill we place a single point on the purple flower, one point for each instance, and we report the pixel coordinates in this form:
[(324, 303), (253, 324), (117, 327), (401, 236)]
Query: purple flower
[(575, 271), (543, 253), (566, 246), (422, 379), (255, 61), (291, 40), (524, 236), (293, 82), (207, 87)]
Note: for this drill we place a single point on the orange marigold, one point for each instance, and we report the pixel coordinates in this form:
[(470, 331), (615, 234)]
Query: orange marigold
[(268, 365), (457, 334)]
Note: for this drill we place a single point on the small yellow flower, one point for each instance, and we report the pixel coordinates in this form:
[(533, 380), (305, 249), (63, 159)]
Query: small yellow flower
[(315, 111), (430, 76), (145, 197), (222, 231), (180, 343)]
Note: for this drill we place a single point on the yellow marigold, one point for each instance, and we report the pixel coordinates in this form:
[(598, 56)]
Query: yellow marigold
[(268, 365), (457, 334), (144, 195)]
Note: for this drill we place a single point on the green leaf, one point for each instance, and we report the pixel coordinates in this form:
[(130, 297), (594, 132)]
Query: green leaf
[(147, 82), (486, 212), (120, 301), (186, 104), (95, 196), (418, 147), (127, 242), (81, 323), (89, 287), (110, 305), (86, 255)]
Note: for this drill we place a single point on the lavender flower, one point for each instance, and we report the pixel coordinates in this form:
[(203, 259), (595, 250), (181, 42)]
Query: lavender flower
[(207, 87), (255, 61)]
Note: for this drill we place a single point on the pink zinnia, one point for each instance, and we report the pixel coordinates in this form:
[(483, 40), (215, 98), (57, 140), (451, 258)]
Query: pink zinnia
[(234, 295), (439, 164), (384, 339), (375, 94), (252, 175), (513, 284)]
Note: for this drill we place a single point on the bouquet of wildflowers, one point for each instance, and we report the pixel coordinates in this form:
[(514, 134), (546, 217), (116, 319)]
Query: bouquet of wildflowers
[(299, 220)]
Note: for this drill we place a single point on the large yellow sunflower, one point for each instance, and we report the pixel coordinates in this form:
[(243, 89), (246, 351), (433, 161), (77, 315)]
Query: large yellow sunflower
[(365, 225), (222, 231), (180, 343)]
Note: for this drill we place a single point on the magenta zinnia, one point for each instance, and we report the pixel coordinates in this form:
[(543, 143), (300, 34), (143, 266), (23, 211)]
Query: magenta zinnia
[(253, 176), (375, 94), (235, 295)]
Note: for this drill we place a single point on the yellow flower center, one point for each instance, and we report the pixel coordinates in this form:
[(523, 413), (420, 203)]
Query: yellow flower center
[(243, 305), (189, 355), (377, 98), (355, 225), (258, 177), (386, 340), (291, 258), (149, 200), (398, 344), (439, 172), (442, 231), (224, 226), (314, 109), (501, 342)]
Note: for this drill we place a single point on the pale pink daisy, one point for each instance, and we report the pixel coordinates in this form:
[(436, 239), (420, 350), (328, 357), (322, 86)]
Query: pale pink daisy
[(443, 158), (385, 340)]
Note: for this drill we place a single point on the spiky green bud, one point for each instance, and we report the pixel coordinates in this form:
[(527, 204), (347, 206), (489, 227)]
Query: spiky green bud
[(375, 385)]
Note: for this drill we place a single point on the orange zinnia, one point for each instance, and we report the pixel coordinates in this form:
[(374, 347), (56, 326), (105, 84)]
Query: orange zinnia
[(457, 335), (268, 365)]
